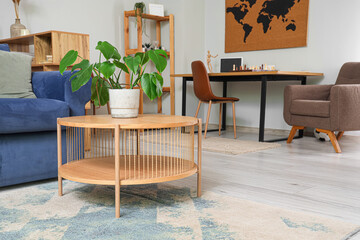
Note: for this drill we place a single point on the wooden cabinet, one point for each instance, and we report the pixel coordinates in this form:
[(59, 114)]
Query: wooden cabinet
[(52, 43), (170, 53)]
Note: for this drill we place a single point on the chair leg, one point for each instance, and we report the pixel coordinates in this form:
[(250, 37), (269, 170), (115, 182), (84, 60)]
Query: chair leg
[(333, 139), (339, 135), (207, 118), (220, 119), (293, 132), (234, 119), (198, 108)]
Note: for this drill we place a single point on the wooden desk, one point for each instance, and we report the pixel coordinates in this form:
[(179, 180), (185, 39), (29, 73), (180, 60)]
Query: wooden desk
[(262, 77)]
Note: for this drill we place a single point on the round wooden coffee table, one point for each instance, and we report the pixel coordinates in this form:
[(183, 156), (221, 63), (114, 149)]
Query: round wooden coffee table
[(112, 151)]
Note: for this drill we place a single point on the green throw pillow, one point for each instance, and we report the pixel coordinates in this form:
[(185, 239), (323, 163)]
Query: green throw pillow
[(15, 75)]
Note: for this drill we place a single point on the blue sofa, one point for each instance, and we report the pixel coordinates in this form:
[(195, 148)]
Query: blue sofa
[(28, 147)]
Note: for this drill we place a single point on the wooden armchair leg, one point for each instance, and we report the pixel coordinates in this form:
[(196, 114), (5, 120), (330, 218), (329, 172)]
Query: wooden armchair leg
[(333, 139), (339, 135), (293, 132)]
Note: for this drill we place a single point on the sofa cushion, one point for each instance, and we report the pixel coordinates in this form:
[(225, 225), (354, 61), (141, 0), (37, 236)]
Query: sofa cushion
[(31, 115), (4, 47), (314, 108), (15, 75)]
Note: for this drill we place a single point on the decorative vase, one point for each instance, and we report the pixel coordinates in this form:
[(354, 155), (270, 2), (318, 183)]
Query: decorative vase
[(15, 29), (124, 103)]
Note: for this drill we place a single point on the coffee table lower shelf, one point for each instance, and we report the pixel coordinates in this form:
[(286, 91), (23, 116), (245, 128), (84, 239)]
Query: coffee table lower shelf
[(136, 169)]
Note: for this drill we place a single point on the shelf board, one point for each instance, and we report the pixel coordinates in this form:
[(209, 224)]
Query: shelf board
[(135, 50), (147, 16), (29, 39), (102, 170)]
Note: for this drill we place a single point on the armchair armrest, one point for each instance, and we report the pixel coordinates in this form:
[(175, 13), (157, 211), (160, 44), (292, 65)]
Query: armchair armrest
[(344, 107), (304, 92), (53, 85)]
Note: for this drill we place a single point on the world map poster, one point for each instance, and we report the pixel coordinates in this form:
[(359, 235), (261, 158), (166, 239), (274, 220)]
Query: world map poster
[(265, 24)]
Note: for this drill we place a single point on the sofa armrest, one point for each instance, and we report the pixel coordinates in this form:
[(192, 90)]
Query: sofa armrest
[(344, 107), (49, 84), (77, 100), (304, 92), (53, 85)]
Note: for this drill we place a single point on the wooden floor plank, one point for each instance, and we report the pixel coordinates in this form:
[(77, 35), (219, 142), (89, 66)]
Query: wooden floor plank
[(306, 175)]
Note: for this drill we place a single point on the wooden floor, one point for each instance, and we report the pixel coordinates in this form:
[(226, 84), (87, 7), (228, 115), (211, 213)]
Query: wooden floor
[(306, 175)]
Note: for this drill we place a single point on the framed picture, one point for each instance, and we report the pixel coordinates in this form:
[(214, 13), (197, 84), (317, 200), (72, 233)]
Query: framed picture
[(264, 24), (156, 9), (228, 64)]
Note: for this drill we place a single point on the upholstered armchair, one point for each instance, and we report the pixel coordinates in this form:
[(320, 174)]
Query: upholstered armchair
[(328, 108)]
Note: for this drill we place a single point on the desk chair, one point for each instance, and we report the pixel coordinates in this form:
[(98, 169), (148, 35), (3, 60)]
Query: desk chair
[(328, 108), (204, 93)]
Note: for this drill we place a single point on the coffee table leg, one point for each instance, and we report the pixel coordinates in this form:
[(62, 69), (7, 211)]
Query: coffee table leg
[(199, 158), (117, 172), (59, 149)]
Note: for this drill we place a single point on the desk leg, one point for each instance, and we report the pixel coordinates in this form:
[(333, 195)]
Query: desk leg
[(223, 127), (183, 101), (262, 108)]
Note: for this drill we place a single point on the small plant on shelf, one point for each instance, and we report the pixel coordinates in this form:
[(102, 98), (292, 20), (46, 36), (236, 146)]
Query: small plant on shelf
[(139, 8), (104, 75)]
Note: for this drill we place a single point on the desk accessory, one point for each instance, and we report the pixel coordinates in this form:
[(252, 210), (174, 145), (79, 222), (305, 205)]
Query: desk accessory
[(156, 9), (231, 64), (208, 60)]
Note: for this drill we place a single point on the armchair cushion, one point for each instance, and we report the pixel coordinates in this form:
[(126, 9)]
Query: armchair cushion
[(314, 108), (303, 92), (31, 115)]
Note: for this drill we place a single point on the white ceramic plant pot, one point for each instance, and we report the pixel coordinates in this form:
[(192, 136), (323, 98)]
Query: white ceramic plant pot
[(124, 103)]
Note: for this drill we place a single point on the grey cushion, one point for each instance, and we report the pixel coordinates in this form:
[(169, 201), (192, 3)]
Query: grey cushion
[(15, 75)]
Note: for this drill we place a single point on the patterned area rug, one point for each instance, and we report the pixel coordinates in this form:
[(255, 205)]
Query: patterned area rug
[(151, 212), (234, 146)]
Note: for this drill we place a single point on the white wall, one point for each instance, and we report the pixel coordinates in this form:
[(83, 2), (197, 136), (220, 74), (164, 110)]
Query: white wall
[(103, 20), (333, 38)]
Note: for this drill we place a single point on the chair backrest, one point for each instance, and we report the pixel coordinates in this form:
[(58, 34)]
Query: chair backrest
[(349, 73), (202, 86)]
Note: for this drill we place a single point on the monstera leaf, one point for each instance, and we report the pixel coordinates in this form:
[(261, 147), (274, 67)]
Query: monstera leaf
[(108, 50), (152, 84), (68, 60), (99, 91)]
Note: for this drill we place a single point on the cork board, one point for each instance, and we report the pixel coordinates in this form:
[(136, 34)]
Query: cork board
[(265, 24)]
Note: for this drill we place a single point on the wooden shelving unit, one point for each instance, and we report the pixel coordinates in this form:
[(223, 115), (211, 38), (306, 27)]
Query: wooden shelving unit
[(54, 43), (171, 53)]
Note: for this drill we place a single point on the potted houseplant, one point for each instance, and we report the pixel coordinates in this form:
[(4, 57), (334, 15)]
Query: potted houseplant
[(139, 8), (105, 75)]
